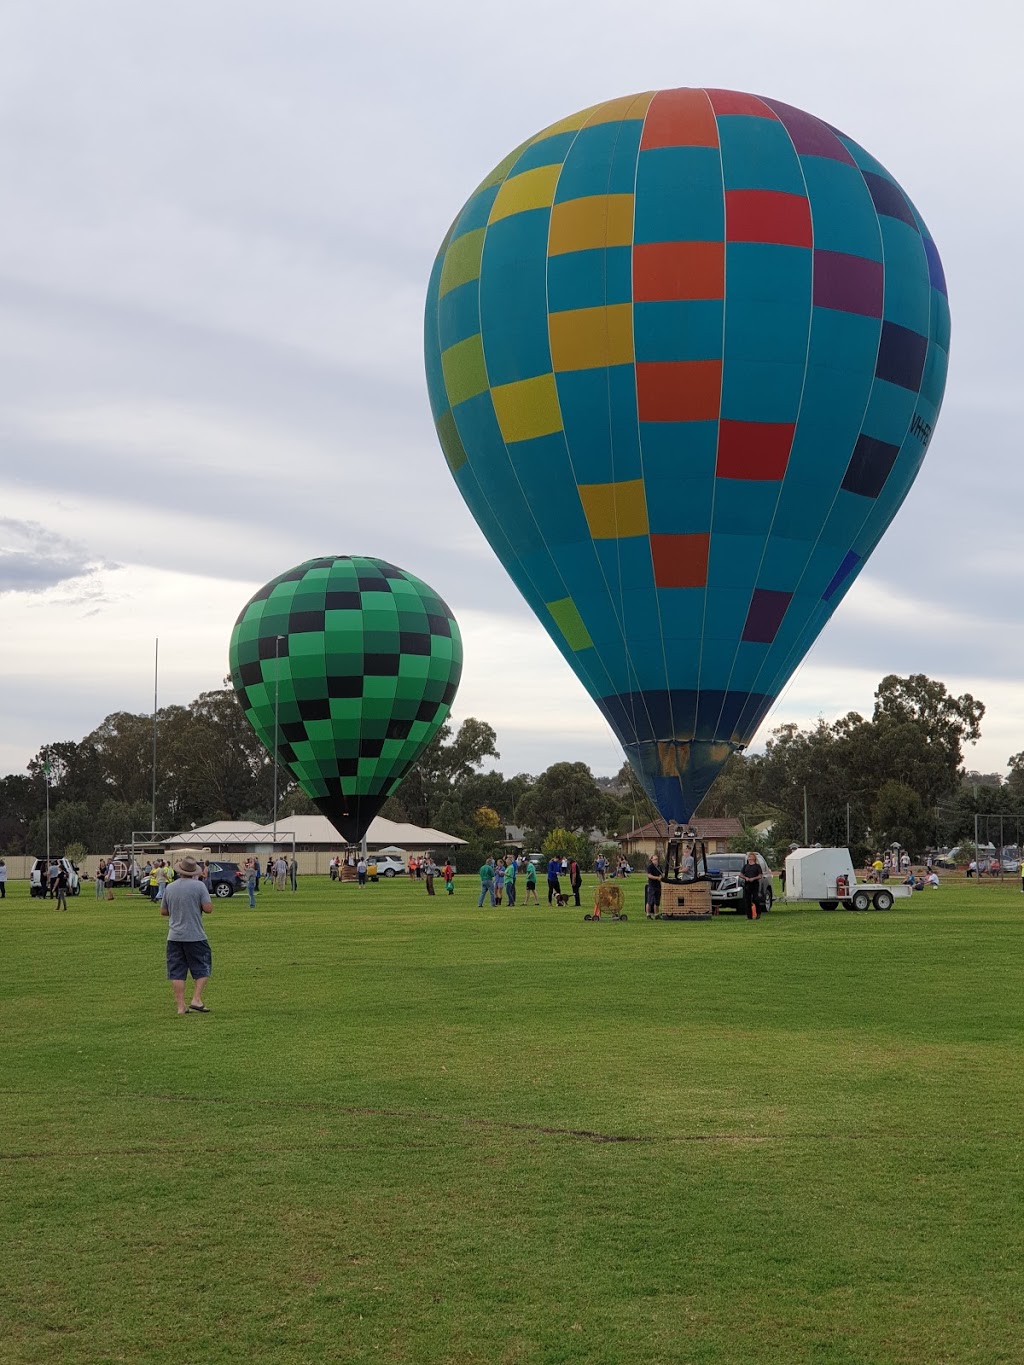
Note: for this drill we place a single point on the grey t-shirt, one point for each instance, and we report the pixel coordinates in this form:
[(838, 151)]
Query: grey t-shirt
[(183, 901)]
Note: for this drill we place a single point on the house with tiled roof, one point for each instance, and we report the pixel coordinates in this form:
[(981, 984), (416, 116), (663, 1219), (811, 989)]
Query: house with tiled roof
[(639, 844)]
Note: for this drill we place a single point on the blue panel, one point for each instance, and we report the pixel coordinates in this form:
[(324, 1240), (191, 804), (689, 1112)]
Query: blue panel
[(682, 615), (626, 563), (890, 412), (458, 314), (679, 474), (719, 648), (602, 161), (431, 348), (757, 154), (476, 212), (590, 279), (592, 401), (907, 291), (513, 298), (678, 330), (761, 392), (733, 563), (679, 195), (744, 506), (842, 213), (784, 561), (548, 151)]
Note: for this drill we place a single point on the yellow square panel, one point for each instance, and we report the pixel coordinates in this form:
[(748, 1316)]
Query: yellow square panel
[(527, 408), (615, 510), (590, 338), (626, 106), (532, 190), (597, 220)]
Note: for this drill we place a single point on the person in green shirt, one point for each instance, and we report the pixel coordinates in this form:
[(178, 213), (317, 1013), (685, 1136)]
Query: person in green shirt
[(486, 882), (531, 883)]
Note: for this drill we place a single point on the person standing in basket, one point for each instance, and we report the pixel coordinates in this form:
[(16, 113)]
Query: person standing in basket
[(184, 903), (652, 891)]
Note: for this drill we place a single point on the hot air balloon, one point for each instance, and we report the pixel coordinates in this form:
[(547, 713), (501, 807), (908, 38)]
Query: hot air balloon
[(347, 668), (685, 351)]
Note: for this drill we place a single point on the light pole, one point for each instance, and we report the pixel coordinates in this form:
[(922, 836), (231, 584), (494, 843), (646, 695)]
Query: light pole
[(46, 778), (277, 735), (156, 680)]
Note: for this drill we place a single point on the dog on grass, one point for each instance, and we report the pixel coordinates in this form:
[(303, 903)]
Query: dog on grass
[(561, 899)]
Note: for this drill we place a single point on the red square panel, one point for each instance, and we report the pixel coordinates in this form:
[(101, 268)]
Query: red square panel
[(767, 216), (679, 390), (680, 561), (753, 450), (679, 118), (678, 270), (735, 102)]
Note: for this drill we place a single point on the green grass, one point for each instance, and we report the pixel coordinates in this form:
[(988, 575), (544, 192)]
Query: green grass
[(414, 1131)]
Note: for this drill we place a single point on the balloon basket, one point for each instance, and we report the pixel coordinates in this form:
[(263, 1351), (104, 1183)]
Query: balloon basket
[(686, 900)]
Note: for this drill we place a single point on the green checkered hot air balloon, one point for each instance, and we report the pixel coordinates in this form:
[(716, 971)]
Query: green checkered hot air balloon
[(346, 667)]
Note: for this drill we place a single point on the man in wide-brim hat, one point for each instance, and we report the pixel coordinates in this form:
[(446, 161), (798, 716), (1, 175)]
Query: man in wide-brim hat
[(185, 902)]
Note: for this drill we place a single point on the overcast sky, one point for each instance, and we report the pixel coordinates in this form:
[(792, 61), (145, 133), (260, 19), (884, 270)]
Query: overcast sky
[(218, 221)]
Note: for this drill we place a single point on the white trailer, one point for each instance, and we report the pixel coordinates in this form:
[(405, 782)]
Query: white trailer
[(827, 875)]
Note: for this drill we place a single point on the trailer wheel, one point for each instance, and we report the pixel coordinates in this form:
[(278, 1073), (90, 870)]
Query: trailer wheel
[(861, 901), (622, 918), (829, 905), (587, 918), (883, 900)]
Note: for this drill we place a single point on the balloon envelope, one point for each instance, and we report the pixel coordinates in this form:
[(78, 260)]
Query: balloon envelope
[(347, 667), (685, 352)]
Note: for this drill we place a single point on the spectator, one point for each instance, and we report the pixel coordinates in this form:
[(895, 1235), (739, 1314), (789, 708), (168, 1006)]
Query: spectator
[(600, 866), (3, 879), (280, 871), (499, 881), (531, 883), (932, 879), (429, 873), (511, 872), (101, 873), (449, 878), (751, 874), (554, 886), (109, 880), (575, 879), (250, 883), (361, 871), (293, 873), (60, 887), (51, 876), (486, 882), (972, 867)]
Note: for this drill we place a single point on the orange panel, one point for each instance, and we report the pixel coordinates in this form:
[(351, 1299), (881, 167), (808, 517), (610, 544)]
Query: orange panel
[(680, 561), (678, 270), (680, 118), (679, 390)]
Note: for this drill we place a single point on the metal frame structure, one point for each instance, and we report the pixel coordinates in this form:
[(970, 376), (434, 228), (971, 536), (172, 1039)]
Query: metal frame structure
[(239, 838)]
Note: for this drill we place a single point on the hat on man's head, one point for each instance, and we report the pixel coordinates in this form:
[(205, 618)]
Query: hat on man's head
[(187, 866)]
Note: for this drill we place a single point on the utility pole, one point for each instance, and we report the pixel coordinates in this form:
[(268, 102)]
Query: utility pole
[(277, 714), (156, 676), (46, 778), (807, 838), (847, 824)]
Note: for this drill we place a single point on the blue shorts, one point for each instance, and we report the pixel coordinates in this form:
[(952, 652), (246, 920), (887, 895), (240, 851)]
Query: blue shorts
[(194, 957)]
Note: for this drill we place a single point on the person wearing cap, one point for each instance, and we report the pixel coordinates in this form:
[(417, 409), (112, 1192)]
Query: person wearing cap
[(185, 902)]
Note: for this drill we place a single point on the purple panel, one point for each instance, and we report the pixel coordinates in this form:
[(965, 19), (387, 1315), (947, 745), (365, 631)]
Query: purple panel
[(888, 199), (936, 274), (850, 562), (767, 608), (810, 136), (901, 356), (851, 284)]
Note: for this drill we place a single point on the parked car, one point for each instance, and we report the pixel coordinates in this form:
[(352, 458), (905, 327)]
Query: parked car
[(225, 878), (727, 884), (387, 866), (37, 877)]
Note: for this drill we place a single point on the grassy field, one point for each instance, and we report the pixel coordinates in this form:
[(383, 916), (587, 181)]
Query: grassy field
[(414, 1131)]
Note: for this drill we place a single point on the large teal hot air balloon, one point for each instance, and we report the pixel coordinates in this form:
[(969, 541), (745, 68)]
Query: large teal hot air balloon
[(346, 668), (685, 352)]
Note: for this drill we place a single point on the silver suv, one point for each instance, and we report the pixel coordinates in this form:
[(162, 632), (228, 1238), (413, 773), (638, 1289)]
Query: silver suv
[(727, 884)]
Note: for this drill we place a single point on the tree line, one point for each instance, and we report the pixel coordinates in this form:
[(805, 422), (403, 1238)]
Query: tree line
[(896, 776)]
